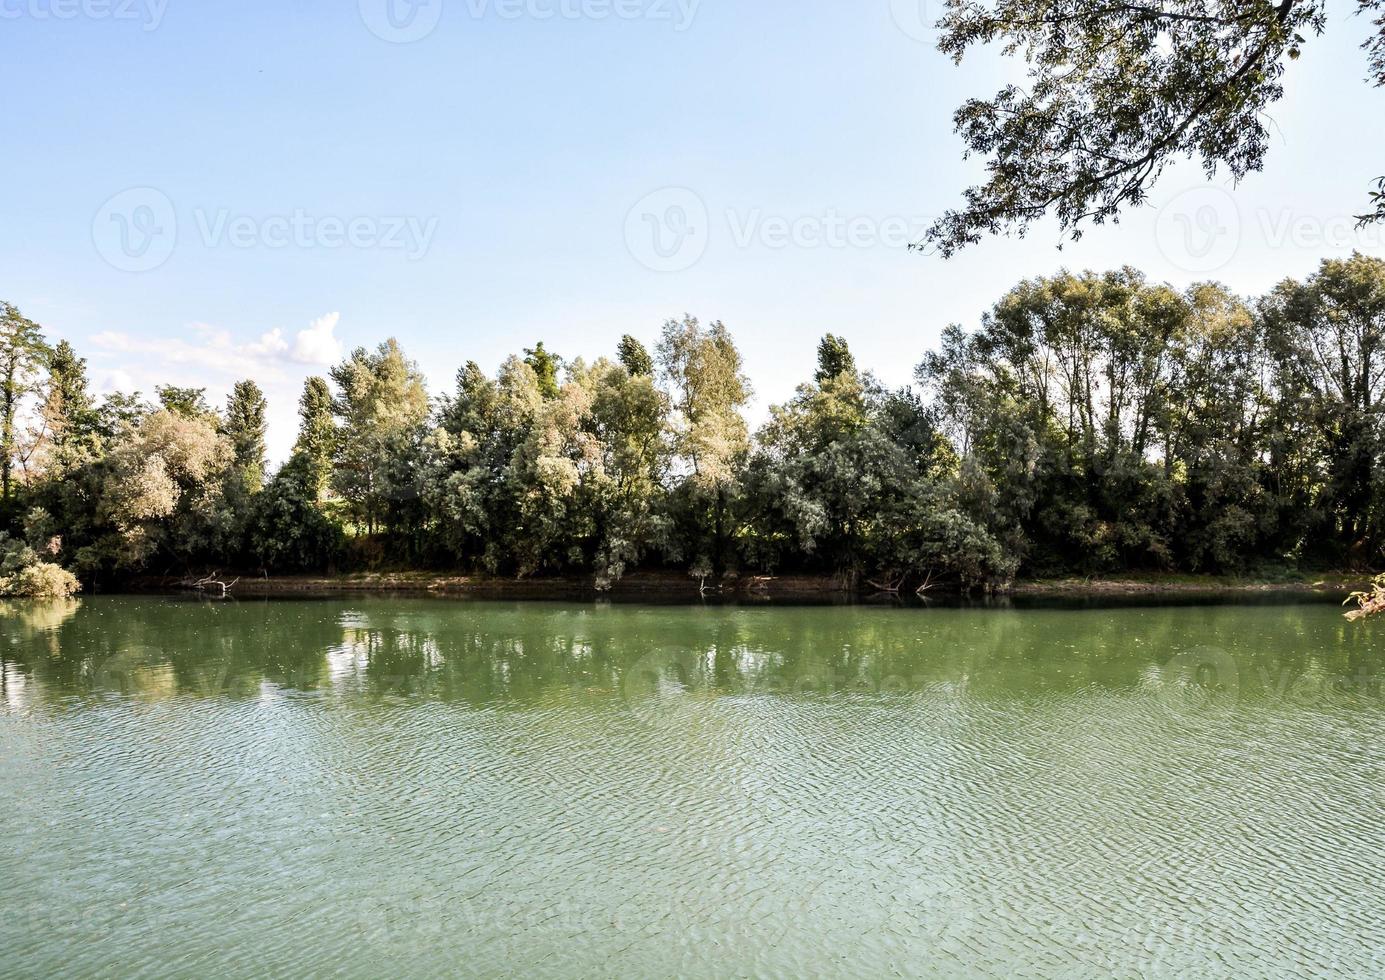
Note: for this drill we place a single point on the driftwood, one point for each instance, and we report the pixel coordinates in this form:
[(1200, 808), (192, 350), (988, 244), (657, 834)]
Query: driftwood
[(1370, 603), (888, 586), (210, 583), (1369, 607)]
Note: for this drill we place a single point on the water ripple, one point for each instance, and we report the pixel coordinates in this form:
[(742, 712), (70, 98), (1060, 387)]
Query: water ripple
[(427, 788)]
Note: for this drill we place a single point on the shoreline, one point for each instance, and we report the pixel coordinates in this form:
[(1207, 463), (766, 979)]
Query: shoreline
[(651, 585), (1320, 583), (675, 586)]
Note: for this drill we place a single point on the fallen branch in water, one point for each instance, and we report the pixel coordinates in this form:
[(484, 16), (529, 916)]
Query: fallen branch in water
[(1368, 603), (210, 582), (890, 586)]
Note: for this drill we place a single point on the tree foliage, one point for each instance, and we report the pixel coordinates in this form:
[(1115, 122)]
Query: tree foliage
[(1115, 93), (545, 365), (382, 410), (316, 446), (1091, 423), (162, 494), (634, 356), (188, 402), (24, 573), (288, 532), (23, 354), (245, 427)]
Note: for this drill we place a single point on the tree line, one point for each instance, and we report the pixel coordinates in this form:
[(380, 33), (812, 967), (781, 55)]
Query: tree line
[(1092, 423)]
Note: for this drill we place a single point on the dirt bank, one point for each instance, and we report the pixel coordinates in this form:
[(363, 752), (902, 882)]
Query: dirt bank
[(672, 586), (1323, 583)]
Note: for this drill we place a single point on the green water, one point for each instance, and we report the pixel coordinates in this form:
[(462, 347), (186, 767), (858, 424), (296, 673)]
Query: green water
[(415, 787)]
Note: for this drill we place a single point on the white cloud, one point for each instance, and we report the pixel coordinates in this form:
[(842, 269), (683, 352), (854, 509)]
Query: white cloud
[(210, 357), (318, 344), (216, 349), (110, 381), (270, 343)]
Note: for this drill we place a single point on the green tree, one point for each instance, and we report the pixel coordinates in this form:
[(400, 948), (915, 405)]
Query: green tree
[(187, 402), (162, 496), (1328, 337), (701, 370), (1060, 399), (627, 415), (68, 412), (852, 479), (70, 439), (316, 445), (119, 411), (1217, 440), (245, 427), (382, 407), (468, 483), (633, 355), (545, 364), (287, 530), (834, 359), (23, 352), (1115, 93)]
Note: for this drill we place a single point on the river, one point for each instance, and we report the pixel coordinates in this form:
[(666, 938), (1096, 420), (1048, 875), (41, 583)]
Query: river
[(423, 787)]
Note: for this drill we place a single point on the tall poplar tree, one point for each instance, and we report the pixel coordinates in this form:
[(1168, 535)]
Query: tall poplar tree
[(23, 353), (245, 427)]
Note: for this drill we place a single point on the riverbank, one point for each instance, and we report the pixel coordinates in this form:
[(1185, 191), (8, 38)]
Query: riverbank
[(673, 586), (1320, 583), (645, 584)]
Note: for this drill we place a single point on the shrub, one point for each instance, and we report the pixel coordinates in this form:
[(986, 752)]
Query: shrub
[(25, 575)]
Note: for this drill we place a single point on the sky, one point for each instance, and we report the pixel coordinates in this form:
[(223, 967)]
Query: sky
[(198, 192)]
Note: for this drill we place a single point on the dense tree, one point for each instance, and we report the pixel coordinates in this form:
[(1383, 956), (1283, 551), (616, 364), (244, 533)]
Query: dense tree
[(288, 532), (69, 415), (546, 365), (245, 427), (1115, 93), (188, 402), (627, 416), (522, 483), (467, 483), (702, 371), (635, 358), (834, 359), (1328, 337), (118, 411), (23, 353), (316, 445), (1214, 436), (857, 480), (162, 496), (382, 407), (73, 434), (1092, 423), (1061, 396)]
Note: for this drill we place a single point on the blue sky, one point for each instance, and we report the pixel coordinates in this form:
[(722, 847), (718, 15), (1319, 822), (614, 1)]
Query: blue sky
[(288, 183)]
